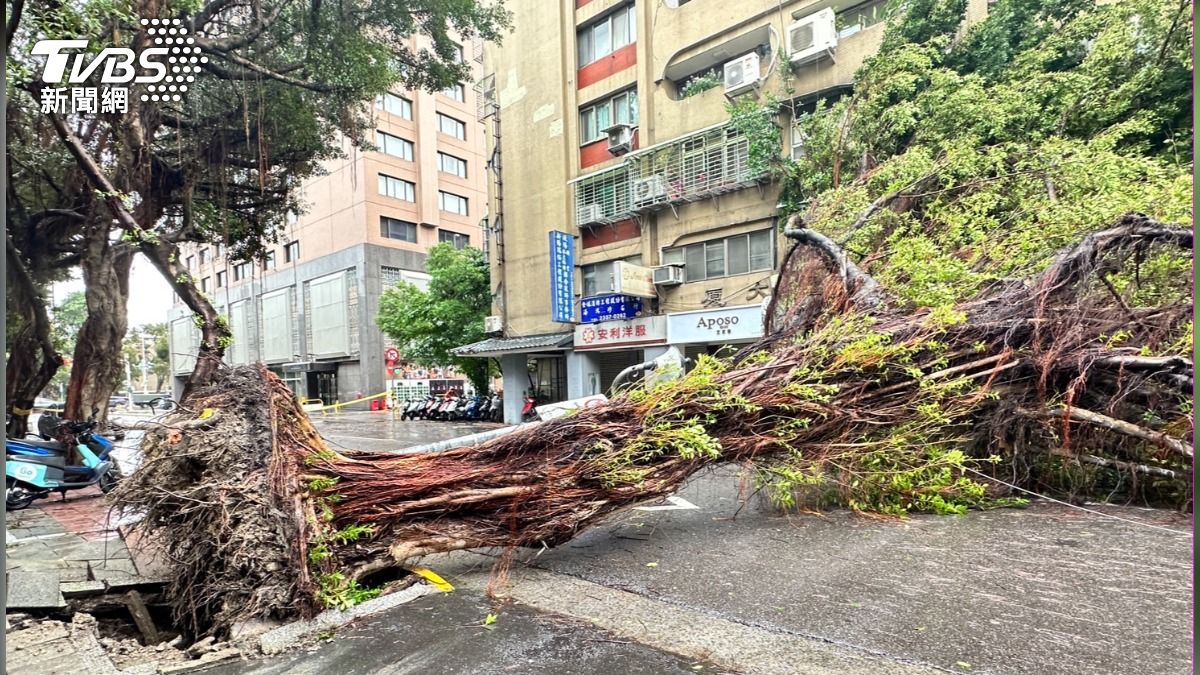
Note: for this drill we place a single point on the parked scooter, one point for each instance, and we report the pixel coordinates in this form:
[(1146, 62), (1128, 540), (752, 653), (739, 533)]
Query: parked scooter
[(33, 469), (497, 409), (528, 413)]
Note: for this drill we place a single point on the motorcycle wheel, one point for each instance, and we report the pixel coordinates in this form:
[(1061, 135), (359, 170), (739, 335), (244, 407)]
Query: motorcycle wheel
[(109, 480), (16, 496)]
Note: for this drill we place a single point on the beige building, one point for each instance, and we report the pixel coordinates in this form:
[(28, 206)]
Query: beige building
[(601, 129), (308, 311)]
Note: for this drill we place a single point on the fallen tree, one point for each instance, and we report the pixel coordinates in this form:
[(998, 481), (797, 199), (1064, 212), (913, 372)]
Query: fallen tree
[(849, 399)]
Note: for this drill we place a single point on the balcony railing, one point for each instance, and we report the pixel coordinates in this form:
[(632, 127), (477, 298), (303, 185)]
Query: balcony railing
[(704, 164)]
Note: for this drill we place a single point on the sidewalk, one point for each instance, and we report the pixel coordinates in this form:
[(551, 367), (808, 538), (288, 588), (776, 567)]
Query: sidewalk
[(56, 549)]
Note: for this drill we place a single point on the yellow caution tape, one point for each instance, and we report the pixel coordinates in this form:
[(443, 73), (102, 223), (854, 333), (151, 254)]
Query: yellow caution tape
[(22, 411), (433, 578)]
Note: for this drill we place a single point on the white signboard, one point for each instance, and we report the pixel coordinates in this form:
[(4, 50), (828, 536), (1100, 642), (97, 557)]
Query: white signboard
[(553, 410), (725, 325), (629, 279), (644, 330)]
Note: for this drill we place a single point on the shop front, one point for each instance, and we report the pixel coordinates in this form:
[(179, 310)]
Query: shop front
[(716, 332), (604, 349)]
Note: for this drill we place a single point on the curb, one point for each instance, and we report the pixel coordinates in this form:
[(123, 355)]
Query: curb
[(283, 638)]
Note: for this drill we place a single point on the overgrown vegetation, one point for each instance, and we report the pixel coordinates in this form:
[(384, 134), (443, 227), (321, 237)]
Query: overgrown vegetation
[(698, 84)]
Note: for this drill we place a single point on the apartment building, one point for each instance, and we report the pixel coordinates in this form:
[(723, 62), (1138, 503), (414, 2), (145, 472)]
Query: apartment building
[(308, 311), (625, 213)]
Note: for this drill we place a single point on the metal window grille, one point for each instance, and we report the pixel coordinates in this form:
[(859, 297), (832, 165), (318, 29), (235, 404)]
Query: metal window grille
[(693, 167)]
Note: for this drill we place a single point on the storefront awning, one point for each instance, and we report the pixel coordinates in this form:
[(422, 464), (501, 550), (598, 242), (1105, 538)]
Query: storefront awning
[(516, 345)]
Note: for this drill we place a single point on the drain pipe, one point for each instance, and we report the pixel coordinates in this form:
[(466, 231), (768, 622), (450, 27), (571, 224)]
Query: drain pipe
[(464, 441)]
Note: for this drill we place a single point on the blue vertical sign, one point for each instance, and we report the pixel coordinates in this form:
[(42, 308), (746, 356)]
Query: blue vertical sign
[(562, 277)]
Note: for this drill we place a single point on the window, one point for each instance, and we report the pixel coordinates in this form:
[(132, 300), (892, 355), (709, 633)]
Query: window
[(452, 127), (291, 252), (203, 255), (851, 21), (453, 203), (204, 285), (607, 35), (394, 145), (268, 262), (460, 241), (218, 251), (458, 92), (397, 188), (221, 279), (241, 271), (452, 165), (740, 254), (459, 54), (395, 105), (619, 109), (191, 262), (390, 228), (798, 141)]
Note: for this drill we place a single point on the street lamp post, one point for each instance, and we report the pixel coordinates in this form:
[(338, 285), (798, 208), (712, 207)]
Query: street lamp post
[(142, 339)]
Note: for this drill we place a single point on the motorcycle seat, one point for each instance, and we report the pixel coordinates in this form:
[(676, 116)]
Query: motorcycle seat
[(53, 446), (57, 461)]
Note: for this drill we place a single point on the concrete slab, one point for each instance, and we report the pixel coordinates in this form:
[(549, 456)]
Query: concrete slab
[(33, 590), (75, 589)]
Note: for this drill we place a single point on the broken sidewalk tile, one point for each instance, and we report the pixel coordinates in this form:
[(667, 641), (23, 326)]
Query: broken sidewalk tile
[(34, 590)]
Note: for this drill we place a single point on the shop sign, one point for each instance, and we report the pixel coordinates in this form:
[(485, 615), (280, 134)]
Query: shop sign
[(562, 277), (609, 307), (631, 279), (644, 330), (728, 324)]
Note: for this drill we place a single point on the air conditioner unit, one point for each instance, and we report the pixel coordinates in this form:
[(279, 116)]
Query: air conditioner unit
[(649, 190), (741, 74), (493, 324), (620, 138), (589, 214), (668, 275), (813, 37)]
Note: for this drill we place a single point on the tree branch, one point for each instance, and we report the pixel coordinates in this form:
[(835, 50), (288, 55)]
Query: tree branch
[(861, 287), (1158, 438)]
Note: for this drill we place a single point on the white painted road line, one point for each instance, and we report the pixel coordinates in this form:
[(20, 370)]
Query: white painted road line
[(675, 504)]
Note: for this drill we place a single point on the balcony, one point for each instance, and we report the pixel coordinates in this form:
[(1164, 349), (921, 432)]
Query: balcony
[(697, 166)]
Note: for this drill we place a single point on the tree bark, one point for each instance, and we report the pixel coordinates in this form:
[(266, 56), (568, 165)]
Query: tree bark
[(33, 360), (96, 368), (214, 332)]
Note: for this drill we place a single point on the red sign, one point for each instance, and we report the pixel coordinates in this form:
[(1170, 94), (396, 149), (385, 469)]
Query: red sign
[(391, 355)]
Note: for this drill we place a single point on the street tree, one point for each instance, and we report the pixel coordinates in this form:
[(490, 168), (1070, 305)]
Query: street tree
[(280, 87), (426, 325), (149, 343)]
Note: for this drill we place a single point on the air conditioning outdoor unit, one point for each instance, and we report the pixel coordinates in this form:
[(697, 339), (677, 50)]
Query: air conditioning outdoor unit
[(813, 37), (741, 74), (493, 324), (647, 191), (589, 214), (620, 138), (668, 275)]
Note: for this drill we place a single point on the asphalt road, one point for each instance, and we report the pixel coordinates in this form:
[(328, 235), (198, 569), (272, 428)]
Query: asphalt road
[(712, 584)]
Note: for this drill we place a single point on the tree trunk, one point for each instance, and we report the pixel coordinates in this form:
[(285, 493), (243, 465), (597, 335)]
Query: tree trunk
[(32, 358), (214, 331), (96, 370)]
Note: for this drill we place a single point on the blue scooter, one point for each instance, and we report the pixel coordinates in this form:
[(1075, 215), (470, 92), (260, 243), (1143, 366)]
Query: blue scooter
[(33, 469)]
